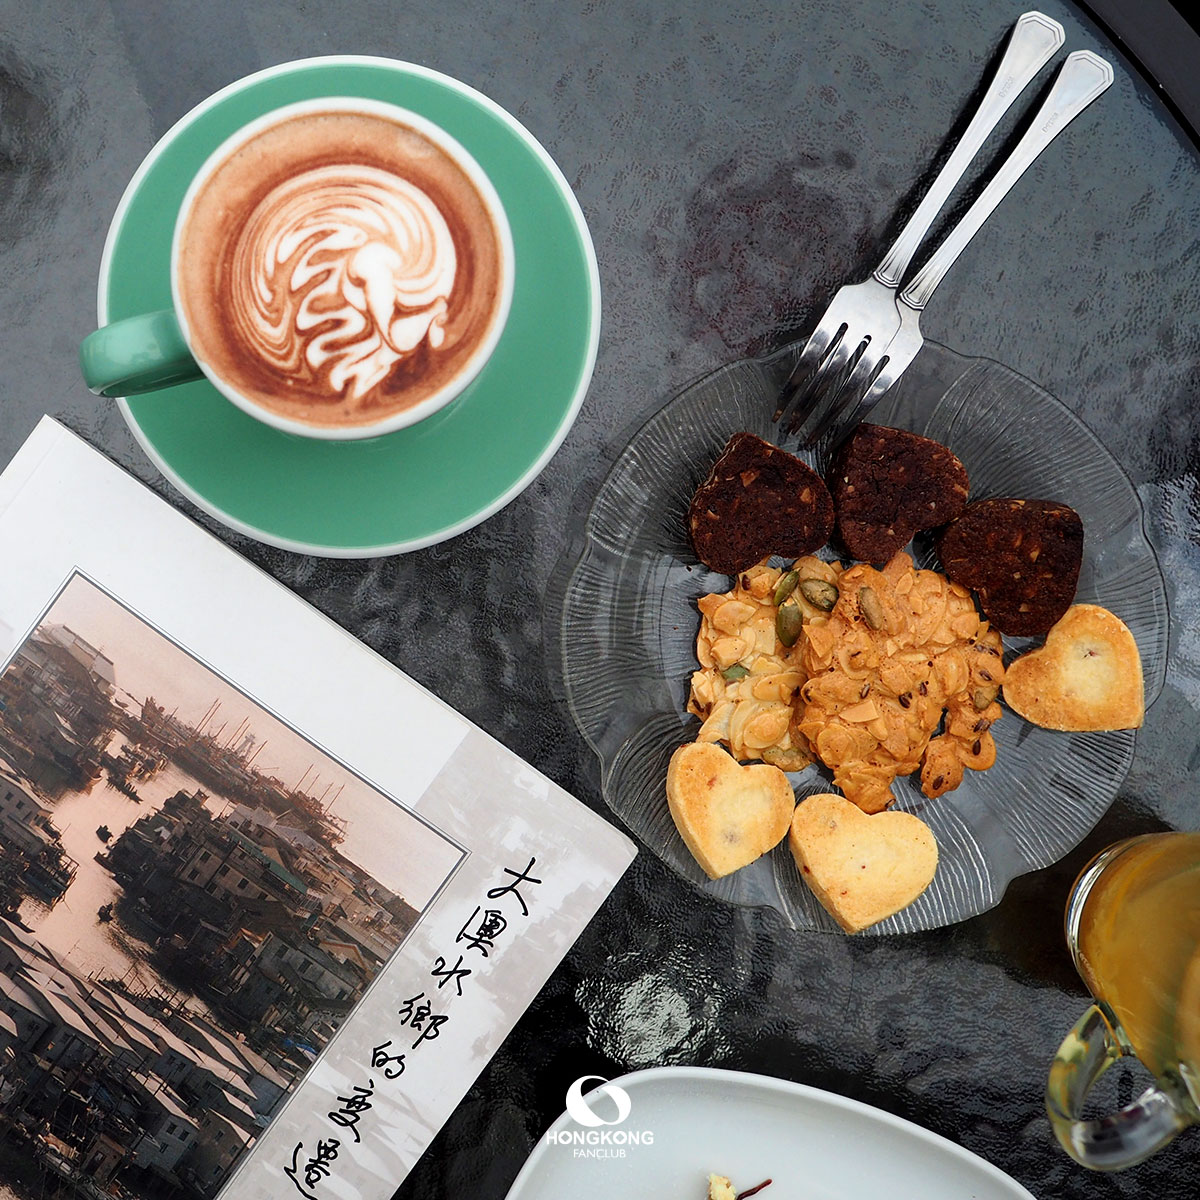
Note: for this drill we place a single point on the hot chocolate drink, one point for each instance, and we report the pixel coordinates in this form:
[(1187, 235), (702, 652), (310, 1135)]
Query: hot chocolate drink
[(340, 266)]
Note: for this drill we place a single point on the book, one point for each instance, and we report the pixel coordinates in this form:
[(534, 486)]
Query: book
[(267, 906)]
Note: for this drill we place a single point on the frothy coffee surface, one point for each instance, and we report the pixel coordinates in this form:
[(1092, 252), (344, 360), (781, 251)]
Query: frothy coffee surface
[(338, 268)]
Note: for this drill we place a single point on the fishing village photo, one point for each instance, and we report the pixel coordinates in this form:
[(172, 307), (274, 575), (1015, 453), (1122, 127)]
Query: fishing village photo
[(193, 898)]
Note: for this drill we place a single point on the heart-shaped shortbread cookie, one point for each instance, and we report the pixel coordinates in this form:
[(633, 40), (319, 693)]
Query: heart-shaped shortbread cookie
[(726, 813), (862, 867), (1087, 676)]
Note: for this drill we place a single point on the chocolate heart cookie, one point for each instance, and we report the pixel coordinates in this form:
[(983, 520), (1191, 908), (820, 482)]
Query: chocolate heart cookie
[(1022, 557), (889, 484), (757, 501)]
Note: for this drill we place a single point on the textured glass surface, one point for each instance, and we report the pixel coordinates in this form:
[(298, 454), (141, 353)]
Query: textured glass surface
[(736, 163), (630, 621)]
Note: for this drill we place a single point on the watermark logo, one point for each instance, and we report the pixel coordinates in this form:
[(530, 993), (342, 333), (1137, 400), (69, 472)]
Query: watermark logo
[(581, 1107), (602, 1106)]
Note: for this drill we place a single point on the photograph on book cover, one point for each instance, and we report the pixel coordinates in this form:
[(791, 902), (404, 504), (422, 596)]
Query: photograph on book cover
[(161, 690), (192, 898)]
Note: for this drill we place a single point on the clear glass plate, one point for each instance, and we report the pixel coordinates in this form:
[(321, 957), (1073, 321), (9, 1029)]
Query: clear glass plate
[(629, 624)]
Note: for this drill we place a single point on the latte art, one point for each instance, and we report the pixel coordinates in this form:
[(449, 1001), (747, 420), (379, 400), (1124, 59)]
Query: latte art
[(341, 272), (342, 265)]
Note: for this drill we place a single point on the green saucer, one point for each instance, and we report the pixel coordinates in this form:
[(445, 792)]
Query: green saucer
[(419, 485)]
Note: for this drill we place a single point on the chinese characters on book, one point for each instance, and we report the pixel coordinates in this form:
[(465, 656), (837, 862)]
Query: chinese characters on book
[(487, 923)]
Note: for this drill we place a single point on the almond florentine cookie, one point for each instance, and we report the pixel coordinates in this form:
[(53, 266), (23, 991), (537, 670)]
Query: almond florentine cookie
[(857, 667)]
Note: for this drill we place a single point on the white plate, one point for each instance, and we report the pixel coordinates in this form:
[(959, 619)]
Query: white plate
[(813, 1145)]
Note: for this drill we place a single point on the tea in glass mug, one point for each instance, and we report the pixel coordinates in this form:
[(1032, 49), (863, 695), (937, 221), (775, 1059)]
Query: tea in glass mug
[(1133, 928)]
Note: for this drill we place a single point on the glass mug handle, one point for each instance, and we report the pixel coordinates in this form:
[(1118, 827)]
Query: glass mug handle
[(136, 355), (1123, 1138)]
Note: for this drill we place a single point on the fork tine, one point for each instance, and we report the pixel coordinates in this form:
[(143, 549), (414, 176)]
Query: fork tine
[(828, 378), (808, 366), (850, 395), (900, 354), (819, 390), (867, 399), (889, 375), (822, 393)]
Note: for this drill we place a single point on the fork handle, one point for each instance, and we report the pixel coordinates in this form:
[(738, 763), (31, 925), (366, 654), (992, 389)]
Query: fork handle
[(1035, 38), (1083, 77)]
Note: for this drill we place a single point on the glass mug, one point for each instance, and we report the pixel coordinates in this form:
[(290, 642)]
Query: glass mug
[(1133, 928)]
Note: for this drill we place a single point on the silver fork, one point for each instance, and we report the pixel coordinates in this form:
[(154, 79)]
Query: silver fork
[(1083, 77), (866, 311)]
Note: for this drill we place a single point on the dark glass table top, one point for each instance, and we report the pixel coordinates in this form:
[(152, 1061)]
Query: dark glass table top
[(735, 164)]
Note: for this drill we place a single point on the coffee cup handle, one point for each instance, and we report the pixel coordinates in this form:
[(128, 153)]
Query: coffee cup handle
[(1123, 1138), (136, 355)]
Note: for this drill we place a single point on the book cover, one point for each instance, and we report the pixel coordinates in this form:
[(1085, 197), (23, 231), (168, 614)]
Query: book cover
[(267, 907)]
